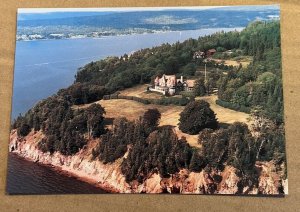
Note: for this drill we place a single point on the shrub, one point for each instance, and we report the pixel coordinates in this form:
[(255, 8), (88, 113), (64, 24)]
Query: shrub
[(233, 106), (170, 101), (189, 94)]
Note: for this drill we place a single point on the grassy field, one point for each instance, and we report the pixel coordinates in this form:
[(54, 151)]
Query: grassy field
[(233, 62), (132, 110), (223, 114), (169, 114), (141, 92), (243, 60)]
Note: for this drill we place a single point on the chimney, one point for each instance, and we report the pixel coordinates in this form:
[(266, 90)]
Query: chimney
[(181, 79)]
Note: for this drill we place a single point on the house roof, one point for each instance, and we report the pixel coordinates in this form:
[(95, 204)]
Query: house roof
[(211, 50), (199, 52), (170, 76), (190, 83)]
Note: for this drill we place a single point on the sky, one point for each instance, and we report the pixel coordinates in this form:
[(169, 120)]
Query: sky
[(107, 9), (48, 13)]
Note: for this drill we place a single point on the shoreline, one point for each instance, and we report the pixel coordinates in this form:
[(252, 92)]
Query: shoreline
[(109, 177), (108, 189), (218, 29), (60, 170)]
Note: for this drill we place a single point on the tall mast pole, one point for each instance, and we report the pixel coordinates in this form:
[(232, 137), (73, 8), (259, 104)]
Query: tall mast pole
[(205, 77), (205, 72)]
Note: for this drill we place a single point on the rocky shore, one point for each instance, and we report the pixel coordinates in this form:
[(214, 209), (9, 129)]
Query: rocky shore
[(110, 178)]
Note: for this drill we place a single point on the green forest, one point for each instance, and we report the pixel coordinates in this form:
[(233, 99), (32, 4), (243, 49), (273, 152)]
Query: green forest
[(255, 89)]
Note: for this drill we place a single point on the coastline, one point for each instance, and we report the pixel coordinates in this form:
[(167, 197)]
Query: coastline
[(78, 166), (106, 188), (68, 173), (109, 177), (228, 29)]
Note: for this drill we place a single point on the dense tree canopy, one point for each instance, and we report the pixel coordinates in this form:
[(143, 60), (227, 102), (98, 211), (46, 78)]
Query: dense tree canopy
[(259, 84), (64, 127), (162, 152), (233, 146)]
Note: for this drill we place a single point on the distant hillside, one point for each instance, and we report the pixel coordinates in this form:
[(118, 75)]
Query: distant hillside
[(176, 20), (145, 21)]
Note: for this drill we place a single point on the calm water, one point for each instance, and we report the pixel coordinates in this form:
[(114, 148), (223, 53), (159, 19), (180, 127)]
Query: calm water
[(43, 67), (25, 177)]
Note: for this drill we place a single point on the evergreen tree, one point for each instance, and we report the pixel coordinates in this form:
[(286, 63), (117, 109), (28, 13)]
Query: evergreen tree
[(95, 119), (200, 89), (150, 120), (196, 116), (23, 130), (196, 163)]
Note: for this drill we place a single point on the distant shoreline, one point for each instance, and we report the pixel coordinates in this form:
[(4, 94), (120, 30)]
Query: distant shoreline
[(129, 34)]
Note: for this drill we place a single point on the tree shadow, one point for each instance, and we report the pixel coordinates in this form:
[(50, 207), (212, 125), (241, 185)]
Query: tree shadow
[(223, 125), (108, 121), (166, 127)]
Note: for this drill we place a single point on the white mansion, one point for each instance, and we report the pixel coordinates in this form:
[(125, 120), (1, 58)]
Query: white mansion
[(169, 85)]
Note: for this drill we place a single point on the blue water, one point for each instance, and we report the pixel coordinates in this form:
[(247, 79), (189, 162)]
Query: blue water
[(45, 66)]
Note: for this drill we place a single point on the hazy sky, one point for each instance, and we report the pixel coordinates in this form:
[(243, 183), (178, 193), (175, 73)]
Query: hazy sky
[(49, 13)]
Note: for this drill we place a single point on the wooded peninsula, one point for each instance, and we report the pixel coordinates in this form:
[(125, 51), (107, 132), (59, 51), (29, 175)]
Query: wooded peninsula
[(243, 74)]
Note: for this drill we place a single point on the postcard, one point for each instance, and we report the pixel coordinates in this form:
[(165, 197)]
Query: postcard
[(174, 100)]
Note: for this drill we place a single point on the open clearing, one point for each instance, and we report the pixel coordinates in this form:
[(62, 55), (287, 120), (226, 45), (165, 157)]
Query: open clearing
[(141, 92), (169, 114), (133, 110), (223, 114), (244, 63)]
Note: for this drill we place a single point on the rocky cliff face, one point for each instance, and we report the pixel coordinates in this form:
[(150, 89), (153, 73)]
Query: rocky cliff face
[(109, 176)]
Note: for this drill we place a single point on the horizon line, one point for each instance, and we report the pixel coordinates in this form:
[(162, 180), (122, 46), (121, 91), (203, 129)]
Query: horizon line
[(130, 9)]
